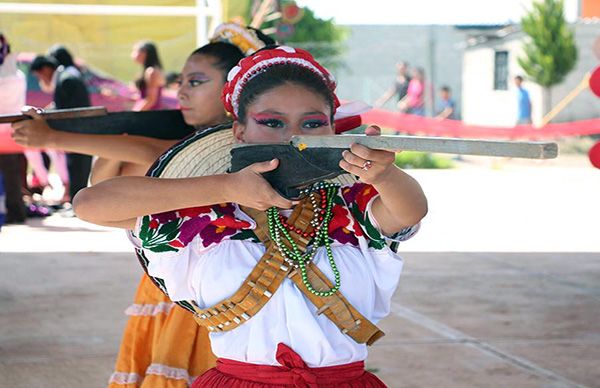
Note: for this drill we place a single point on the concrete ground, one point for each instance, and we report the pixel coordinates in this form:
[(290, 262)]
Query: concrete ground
[(501, 288)]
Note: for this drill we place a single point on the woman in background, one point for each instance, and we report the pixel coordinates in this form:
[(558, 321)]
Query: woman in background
[(12, 94), (152, 79), (162, 346)]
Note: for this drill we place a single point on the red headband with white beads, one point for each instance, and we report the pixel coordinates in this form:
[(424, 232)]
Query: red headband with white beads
[(260, 62)]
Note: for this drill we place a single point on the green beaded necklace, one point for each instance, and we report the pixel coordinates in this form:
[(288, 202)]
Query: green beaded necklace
[(298, 259)]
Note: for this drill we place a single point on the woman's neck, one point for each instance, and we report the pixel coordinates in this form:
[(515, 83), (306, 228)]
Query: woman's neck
[(205, 126), (222, 120)]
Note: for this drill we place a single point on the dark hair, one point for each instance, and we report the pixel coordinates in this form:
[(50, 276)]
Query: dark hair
[(152, 60), (445, 89), (171, 77), (41, 61), (225, 54), (62, 55), (519, 78), (228, 55), (267, 40), (279, 75)]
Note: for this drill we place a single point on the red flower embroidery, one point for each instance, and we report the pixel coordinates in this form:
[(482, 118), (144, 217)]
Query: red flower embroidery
[(213, 234), (228, 221), (340, 218), (357, 228), (364, 196), (194, 211), (341, 226), (176, 244), (153, 224)]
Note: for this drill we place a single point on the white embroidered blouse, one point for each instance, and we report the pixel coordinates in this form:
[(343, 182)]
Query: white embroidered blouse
[(204, 254)]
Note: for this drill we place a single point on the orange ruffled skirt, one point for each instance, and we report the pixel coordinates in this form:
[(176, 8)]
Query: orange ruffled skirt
[(162, 347)]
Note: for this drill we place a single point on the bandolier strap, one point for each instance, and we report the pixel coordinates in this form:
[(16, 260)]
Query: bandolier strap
[(268, 274)]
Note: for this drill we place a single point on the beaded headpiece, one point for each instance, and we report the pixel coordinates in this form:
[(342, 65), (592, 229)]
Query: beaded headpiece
[(243, 38), (260, 62)]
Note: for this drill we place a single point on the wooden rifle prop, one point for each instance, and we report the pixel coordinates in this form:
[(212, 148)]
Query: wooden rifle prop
[(304, 160), (309, 159), (160, 124)]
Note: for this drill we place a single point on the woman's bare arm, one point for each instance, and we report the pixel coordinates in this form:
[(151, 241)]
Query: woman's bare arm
[(104, 169), (401, 202), (135, 149), (124, 198)]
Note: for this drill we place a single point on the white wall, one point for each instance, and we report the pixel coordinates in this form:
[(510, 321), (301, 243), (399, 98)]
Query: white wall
[(372, 52), (483, 105)]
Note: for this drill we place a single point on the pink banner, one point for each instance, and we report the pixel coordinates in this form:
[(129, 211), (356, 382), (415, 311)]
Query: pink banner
[(424, 126)]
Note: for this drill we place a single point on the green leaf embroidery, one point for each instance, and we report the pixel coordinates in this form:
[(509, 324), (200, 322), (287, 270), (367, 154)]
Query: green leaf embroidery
[(374, 238), (144, 228), (168, 227), (163, 248), (245, 234)]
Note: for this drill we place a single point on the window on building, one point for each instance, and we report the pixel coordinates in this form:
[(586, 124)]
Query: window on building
[(501, 70)]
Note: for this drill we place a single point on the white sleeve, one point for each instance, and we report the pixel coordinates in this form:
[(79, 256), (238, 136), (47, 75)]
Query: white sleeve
[(174, 268)]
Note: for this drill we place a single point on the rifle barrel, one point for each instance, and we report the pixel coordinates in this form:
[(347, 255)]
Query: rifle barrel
[(513, 149)]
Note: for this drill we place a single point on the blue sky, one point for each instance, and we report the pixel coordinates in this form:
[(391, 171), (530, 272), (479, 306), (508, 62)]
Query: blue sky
[(425, 11)]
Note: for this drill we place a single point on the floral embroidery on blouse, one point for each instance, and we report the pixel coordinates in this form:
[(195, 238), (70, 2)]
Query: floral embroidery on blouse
[(169, 231), (173, 230), (358, 197)]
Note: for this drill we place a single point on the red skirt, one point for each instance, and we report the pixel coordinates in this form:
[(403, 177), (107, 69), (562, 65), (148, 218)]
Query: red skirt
[(293, 373)]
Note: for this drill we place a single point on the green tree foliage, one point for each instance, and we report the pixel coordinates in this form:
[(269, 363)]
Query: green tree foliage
[(550, 54), (321, 37)]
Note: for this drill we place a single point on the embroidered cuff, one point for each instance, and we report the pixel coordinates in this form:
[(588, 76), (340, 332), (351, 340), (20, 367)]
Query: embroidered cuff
[(393, 240)]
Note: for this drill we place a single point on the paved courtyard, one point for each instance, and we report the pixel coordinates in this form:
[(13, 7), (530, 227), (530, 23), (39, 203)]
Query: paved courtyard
[(501, 288)]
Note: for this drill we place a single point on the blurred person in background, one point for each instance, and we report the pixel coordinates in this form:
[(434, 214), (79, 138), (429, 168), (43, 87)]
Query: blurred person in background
[(152, 79), (173, 79), (45, 69), (60, 76), (400, 87), (162, 345), (414, 101), (447, 107), (13, 87), (523, 103)]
